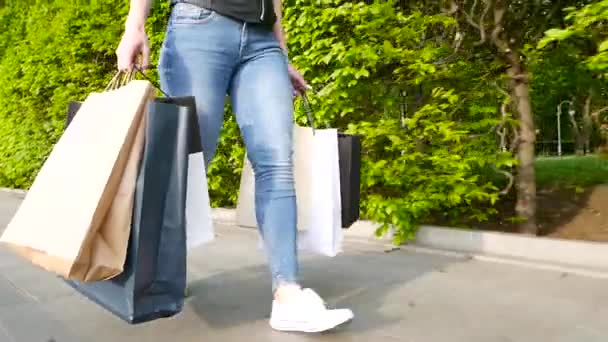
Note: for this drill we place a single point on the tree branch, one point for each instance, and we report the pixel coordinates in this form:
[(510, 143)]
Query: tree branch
[(501, 130), (469, 17), (510, 177), (499, 14), (596, 115), (504, 92), (482, 29)]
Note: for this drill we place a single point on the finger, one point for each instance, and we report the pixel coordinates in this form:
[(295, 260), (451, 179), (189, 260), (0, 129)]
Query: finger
[(125, 66), (303, 87), (145, 58), (119, 64), (125, 63), (299, 79), (302, 84)]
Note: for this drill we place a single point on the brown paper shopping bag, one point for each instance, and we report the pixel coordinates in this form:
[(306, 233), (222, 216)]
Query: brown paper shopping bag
[(75, 220)]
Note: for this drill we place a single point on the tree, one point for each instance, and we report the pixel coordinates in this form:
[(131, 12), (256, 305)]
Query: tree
[(587, 38), (509, 28)]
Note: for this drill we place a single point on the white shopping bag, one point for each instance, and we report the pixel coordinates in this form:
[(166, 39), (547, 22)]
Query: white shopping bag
[(317, 182), (245, 213), (323, 234), (245, 203), (199, 223)]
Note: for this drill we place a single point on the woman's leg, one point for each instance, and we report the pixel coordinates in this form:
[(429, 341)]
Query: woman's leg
[(262, 98), (198, 58)]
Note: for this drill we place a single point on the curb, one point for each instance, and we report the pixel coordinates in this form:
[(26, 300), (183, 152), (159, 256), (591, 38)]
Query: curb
[(582, 254), (576, 257), (18, 192)]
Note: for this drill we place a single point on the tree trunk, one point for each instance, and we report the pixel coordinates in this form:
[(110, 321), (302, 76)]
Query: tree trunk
[(526, 175), (587, 124), (603, 130), (578, 138), (520, 95)]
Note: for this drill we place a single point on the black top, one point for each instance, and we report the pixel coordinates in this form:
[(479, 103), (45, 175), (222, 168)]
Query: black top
[(250, 11)]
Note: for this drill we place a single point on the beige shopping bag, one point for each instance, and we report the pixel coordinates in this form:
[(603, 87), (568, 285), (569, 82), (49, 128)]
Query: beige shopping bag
[(75, 220)]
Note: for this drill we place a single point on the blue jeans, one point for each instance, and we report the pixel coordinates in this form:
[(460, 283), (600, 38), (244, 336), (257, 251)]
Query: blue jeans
[(210, 56)]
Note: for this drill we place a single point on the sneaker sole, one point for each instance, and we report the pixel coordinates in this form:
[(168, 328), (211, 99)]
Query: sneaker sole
[(309, 329)]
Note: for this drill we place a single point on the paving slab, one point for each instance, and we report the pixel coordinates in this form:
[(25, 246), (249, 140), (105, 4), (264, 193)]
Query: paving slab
[(397, 295)]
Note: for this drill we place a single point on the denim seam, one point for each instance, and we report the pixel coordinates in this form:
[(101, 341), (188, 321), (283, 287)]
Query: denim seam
[(243, 40)]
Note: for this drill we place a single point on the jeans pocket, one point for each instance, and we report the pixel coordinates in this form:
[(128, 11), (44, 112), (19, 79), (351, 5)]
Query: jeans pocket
[(185, 14)]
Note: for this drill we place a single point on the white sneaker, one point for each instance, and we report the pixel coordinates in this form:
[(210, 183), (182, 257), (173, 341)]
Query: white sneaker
[(307, 314)]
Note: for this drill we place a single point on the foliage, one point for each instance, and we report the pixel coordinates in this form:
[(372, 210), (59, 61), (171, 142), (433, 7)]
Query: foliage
[(413, 81), (387, 73), (585, 41), (55, 52), (368, 62), (407, 184), (558, 74), (589, 23), (51, 53)]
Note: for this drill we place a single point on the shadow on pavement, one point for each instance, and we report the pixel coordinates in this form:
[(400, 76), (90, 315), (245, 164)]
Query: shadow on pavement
[(364, 282)]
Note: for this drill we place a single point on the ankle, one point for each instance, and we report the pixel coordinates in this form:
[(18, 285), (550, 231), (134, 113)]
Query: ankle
[(287, 293)]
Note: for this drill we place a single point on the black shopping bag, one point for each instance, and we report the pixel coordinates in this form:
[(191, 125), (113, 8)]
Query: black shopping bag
[(153, 282), (349, 157)]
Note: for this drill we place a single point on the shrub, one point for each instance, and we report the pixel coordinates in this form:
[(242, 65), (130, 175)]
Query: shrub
[(361, 58), (56, 52), (429, 159)]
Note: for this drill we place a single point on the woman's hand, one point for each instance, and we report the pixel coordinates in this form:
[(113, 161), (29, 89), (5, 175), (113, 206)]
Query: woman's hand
[(134, 43), (297, 80)]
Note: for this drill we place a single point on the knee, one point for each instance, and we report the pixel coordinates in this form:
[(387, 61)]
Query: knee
[(273, 168)]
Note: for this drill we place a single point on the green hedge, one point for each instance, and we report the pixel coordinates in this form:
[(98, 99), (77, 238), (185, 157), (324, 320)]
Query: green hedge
[(56, 52), (52, 52), (359, 57)]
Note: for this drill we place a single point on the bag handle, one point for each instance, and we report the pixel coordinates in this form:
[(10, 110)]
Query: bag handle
[(121, 78), (156, 85), (308, 110)]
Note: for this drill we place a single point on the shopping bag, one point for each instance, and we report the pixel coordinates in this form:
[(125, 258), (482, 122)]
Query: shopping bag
[(349, 149), (153, 283), (75, 218), (245, 209), (322, 231), (199, 220), (318, 191), (349, 157)]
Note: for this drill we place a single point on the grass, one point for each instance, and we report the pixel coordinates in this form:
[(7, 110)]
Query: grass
[(571, 171)]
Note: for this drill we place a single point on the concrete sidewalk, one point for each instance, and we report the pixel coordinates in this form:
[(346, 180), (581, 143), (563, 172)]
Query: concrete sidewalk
[(397, 296)]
